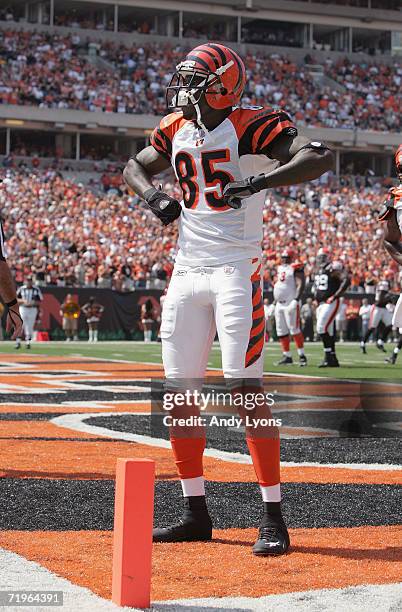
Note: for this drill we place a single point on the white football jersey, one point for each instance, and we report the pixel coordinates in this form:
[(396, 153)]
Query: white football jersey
[(285, 288), (210, 232)]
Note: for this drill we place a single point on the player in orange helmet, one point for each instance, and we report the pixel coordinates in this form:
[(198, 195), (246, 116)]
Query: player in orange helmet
[(221, 153), (391, 214)]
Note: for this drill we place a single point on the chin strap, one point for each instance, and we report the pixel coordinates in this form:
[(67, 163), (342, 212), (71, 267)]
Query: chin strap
[(194, 102)]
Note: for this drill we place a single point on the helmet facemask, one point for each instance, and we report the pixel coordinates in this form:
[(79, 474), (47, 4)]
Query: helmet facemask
[(187, 86), (189, 83)]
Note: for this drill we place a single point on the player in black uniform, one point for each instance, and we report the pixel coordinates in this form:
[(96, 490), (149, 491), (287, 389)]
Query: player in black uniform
[(379, 313), (330, 282), (391, 214)]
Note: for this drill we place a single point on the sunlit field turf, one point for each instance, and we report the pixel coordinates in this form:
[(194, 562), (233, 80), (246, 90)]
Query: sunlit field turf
[(354, 365)]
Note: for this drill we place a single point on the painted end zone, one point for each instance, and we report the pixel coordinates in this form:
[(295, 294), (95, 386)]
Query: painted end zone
[(132, 537), (64, 422)]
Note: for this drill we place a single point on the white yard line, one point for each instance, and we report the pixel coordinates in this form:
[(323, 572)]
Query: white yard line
[(17, 574), (20, 574), (76, 422), (366, 598)]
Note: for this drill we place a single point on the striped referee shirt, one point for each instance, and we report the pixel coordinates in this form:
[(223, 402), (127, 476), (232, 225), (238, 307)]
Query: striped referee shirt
[(29, 294)]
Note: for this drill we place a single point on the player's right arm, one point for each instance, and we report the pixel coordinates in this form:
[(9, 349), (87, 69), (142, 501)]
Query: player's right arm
[(138, 173), (152, 161), (141, 168)]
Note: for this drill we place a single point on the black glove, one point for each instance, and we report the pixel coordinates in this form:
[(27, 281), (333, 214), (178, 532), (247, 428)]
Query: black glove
[(388, 207), (167, 209), (234, 192)]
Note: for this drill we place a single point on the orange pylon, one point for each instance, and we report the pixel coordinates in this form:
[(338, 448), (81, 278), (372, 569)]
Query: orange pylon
[(132, 537)]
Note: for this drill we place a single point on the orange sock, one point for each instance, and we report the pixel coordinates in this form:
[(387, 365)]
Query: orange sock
[(266, 459), (188, 454), (299, 340), (285, 342)]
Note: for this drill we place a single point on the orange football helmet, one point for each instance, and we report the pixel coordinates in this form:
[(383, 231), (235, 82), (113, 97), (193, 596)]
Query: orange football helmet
[(212, 69)]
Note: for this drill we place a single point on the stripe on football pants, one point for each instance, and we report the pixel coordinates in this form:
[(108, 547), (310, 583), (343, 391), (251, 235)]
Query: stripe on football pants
[(256, 338)]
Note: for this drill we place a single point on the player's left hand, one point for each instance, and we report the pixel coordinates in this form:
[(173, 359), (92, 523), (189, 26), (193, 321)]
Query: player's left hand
[(237, 191), (330, 299), (14, 322)]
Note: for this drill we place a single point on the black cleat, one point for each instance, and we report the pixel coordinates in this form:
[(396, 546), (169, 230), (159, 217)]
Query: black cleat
[(381, 348), (28, 346), (194, 526), (189, 529), (363, 348), (272, 540), (285, 361), (302, 360), (333, 362), (391, 359), (330, 361)]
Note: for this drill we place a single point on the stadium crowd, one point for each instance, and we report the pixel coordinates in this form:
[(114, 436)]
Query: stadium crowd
[(52, 71), (66, 234)]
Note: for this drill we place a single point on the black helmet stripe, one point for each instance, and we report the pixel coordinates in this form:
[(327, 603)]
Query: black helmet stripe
[(219, 50), (211, 55), (225, 61), (195, 58)]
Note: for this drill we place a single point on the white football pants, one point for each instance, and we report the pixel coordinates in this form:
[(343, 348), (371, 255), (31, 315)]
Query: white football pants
[(287, 318), (204, 300), (326, 314)]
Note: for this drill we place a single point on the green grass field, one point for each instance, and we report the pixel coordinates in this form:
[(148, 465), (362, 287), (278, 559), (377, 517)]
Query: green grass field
[(354, 365)]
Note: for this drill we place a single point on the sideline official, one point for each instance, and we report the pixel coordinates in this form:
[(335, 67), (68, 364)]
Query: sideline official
[(29, 298)]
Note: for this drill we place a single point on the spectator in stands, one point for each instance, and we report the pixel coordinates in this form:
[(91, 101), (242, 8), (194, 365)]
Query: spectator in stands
[(371, 97), (68, 234)]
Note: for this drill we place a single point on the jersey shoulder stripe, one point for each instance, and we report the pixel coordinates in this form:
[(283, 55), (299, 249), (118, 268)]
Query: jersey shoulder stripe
[(257, 128), (162, 136)]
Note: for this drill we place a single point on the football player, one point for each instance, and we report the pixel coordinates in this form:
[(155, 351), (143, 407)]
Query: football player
[(330, 282), (379, 313), (288, 289), (221, 155), (392, 216)]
